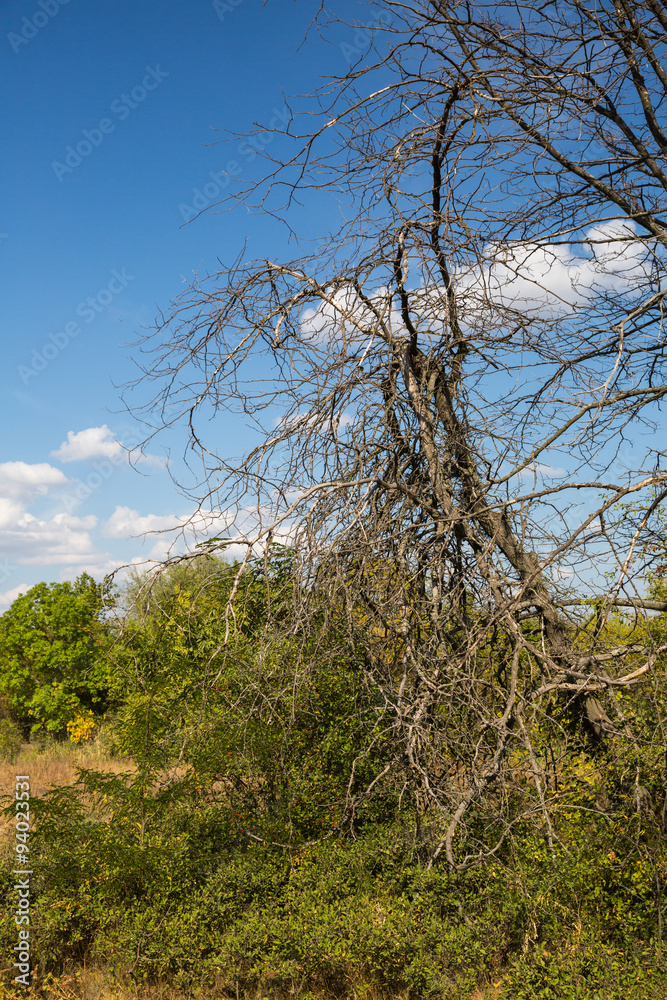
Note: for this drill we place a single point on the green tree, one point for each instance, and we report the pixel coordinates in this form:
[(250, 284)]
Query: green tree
[(52, 646), (198, 689)]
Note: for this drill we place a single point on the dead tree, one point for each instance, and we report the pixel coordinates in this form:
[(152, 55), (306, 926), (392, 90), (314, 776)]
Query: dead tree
[(444, 391)]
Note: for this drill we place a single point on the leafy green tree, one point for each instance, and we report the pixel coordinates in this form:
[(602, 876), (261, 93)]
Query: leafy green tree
[(52, 662), (290, 762)]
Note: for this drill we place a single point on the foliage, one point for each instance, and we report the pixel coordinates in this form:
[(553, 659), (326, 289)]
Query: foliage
[(10, 740), (158, 882), (591, 973), (81, 727), (217, 705), (234, 852), (52, 643)]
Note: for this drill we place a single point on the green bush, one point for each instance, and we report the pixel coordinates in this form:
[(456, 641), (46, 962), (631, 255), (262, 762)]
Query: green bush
[(592, 972), (160, 881), (10, 740), (183, 874)]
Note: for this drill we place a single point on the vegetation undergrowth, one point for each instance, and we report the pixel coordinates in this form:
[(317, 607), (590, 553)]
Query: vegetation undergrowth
[(160, 887), (210, 838)]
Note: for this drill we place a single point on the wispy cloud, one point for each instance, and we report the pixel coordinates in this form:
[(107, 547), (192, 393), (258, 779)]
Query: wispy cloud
[(541, 281)]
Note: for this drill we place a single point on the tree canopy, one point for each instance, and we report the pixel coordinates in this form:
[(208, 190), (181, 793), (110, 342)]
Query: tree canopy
[(52, 645)]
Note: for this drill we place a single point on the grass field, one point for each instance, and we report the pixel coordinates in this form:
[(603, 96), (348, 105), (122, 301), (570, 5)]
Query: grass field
[(48, 766)]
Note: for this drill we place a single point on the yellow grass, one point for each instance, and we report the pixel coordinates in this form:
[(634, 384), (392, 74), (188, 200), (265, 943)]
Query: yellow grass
[(54, 766), (87, 984)]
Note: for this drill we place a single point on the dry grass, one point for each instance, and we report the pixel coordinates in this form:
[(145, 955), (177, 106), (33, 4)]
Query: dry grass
[(95, 984), (99, 984), (48, 768)]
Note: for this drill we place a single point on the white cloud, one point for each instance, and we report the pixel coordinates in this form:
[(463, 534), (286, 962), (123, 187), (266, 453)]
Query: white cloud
[(10, 596), (51, 542), (539, 469), (551, 280), (321, 423), (347, 319), (100, 442), (128, 523), (563, 573), (27, 540), (20, 481), (10, 512), (93, 442), (174, 533), (540, 280), (62, 540), (98, 565)]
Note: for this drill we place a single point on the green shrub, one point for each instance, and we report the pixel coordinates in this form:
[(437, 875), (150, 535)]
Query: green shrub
[(158, 882), (592, 972), (10, 740)]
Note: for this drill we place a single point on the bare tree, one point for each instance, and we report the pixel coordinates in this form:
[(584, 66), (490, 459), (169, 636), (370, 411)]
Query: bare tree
[(451, 394)]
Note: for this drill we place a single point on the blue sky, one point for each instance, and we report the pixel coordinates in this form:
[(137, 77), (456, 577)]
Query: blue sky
[(113, 113), (116, 112)]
